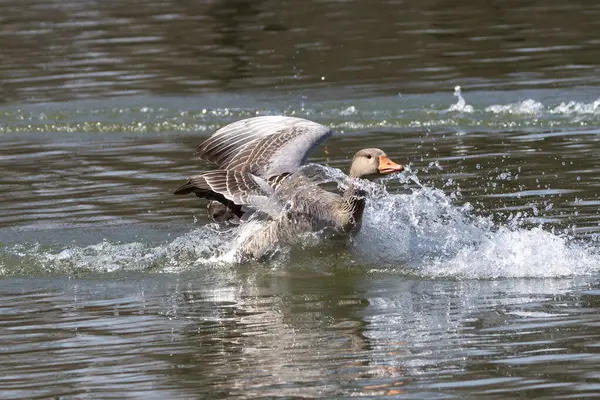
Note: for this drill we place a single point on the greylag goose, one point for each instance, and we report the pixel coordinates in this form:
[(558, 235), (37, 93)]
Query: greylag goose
[(256, 160)]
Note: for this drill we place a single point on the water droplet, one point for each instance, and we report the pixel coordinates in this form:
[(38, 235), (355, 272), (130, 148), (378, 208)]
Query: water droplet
[(461, 105)]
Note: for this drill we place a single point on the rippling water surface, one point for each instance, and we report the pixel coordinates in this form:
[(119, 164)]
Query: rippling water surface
[(476, 272)]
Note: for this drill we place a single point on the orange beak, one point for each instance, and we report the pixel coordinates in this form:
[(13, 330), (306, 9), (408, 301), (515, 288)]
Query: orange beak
[(387, 166)]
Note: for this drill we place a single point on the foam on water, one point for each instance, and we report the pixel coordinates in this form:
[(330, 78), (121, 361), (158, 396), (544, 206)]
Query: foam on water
[(405, 111), (526, 107), (573, 107), (419, 231), (198, 245), (536, 108)]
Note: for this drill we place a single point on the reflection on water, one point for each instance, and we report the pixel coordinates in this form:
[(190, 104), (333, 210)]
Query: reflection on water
[(341, 334), (475, 274), (80, 49)]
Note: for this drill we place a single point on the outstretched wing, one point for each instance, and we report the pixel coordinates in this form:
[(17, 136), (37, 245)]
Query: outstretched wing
[(264, 146)]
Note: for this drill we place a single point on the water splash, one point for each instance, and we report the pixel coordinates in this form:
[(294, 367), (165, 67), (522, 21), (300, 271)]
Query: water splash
[(414, 230), (526, 107), (461, 105), (154, 118), (509, 253), (348, 111), (574, 107), (206, 244), (424, 233)]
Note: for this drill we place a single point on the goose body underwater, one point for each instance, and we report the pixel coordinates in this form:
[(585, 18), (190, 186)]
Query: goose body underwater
[(258, 164)]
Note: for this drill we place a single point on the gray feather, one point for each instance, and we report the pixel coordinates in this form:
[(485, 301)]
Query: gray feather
[(256, 156), (240, 187), (264, 146)]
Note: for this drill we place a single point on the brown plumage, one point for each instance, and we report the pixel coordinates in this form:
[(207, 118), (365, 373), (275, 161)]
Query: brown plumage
[(257, 159), (313, 209)]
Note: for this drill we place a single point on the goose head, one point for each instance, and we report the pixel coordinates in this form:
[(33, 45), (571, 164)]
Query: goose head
[(372, 162)]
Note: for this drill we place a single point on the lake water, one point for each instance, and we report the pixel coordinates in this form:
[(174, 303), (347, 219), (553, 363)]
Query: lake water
[(476, 273)]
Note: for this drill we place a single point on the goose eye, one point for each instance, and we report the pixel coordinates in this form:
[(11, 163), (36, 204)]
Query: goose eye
[(369, 156)]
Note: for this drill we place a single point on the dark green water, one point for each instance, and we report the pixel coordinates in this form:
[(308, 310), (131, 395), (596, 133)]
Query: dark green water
[(476, 273)]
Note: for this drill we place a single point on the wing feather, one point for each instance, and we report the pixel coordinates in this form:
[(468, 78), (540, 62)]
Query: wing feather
[(240, 187), (264, 146)]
